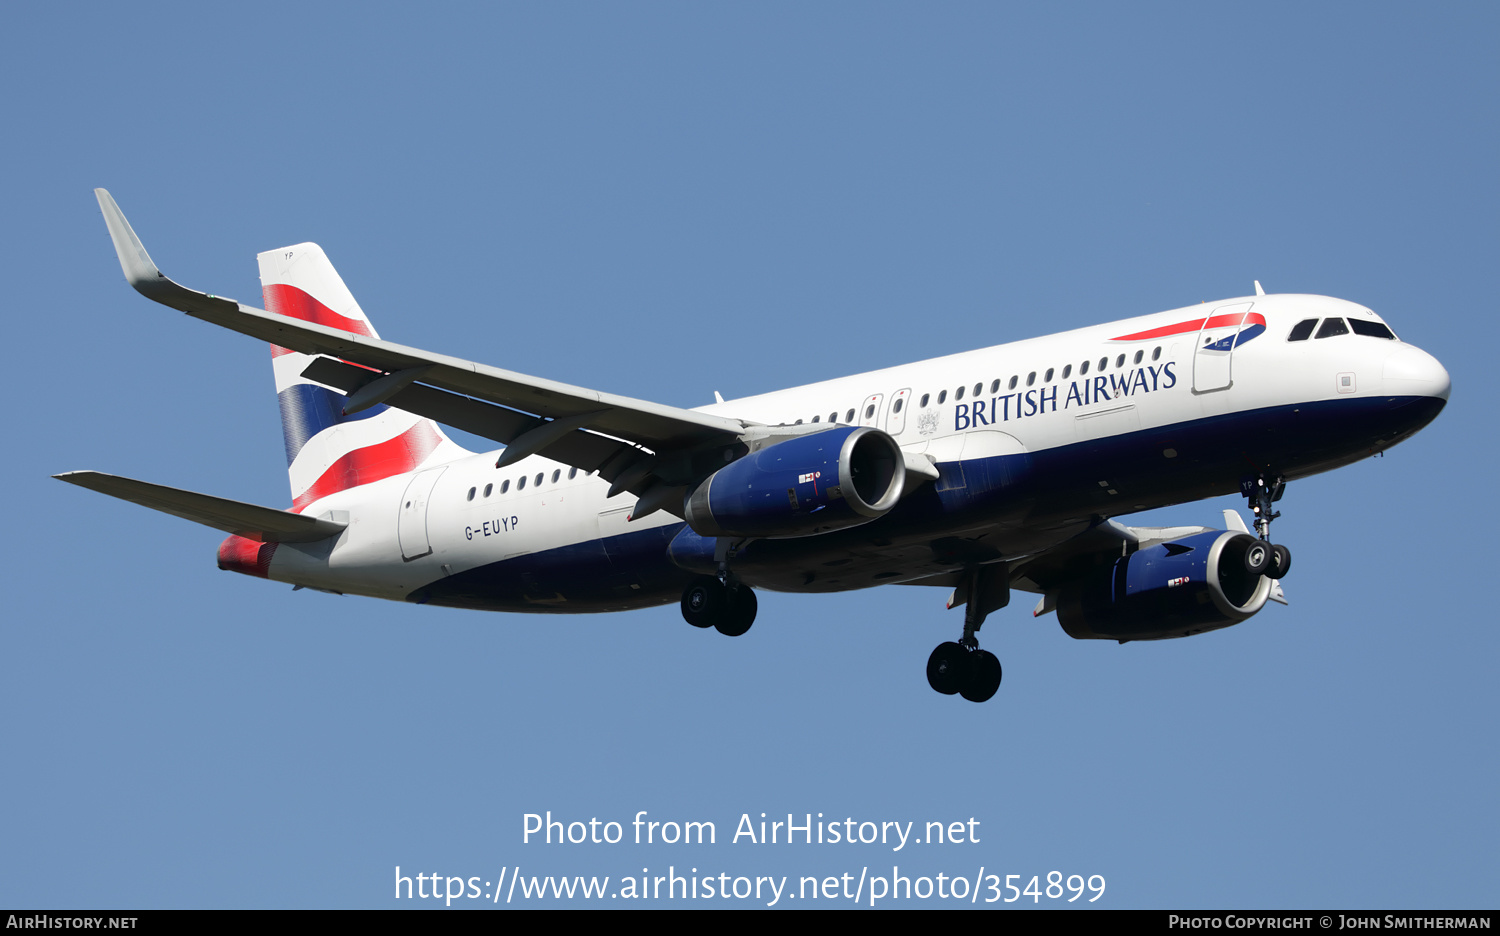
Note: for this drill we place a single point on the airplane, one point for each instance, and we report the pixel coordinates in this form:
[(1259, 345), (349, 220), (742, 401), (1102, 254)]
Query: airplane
[(985, 472)]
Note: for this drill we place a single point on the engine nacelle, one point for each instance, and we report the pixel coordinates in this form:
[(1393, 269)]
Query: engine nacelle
[(1195, 584), (805, 485)]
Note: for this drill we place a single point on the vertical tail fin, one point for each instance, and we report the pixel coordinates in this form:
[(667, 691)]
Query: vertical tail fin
[(327, 451)]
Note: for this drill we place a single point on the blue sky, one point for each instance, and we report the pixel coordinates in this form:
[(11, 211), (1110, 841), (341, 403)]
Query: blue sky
[(662, 201)]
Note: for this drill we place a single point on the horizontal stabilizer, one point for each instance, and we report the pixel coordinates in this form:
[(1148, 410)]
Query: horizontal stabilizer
[(260, 524)]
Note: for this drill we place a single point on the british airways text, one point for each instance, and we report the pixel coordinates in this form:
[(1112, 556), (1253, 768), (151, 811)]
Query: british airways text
[(1021, 404)]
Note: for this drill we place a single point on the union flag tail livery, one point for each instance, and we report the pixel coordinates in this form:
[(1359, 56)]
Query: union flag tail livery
[(328, 451), (982, 473)]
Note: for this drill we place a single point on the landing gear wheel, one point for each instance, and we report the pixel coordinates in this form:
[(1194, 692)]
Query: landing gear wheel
[(1258, 557), (1281, 562), (984, 677), (739, 613), (704, 601), (708, 602), (947, 667)]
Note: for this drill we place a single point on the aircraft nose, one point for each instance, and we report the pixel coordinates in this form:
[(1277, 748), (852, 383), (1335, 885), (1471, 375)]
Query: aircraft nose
[(1413, 372)]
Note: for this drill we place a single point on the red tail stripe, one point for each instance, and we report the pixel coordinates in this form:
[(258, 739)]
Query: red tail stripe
[(294, 303), (237, 554), (373, 463), (1216, 321)]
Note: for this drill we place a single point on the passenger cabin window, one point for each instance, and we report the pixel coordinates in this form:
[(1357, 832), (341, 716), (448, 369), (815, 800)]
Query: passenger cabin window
[(958, 394), (488, 489), (1120, 361), (995, 386), (816, 418), (1371, 329), (1013, 380), (471, 494), (1156, 353), (1302, 330), (521, 483), (538, 479), (897, 407), (1067, 371), (1332, 327), (1103, 363), (557, 473), (1139, 355), (1048, 377), (977, 388), (572, 473), (942, 397), (1031, 378), (849, 416), (504, 485), (925, 397), (1083, 368)]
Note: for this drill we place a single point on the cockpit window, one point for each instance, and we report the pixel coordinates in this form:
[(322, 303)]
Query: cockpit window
[(1302, 330), (1371, 329), (1331, 327)]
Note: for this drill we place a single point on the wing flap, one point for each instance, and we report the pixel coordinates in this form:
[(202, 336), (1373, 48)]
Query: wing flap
[(586, 450), (253, 522)]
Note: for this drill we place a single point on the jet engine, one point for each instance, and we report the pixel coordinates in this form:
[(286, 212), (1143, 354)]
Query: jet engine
[(802, 486), (1176, 589)]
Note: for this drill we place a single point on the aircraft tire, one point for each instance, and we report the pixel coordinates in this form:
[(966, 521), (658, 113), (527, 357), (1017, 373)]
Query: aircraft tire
[(703, 601), (983, 680), (1281, 561), (947, 667), (739, 613), (1259, 557)]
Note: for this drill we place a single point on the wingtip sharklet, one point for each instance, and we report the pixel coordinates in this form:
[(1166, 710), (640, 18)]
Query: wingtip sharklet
[(142, 273)]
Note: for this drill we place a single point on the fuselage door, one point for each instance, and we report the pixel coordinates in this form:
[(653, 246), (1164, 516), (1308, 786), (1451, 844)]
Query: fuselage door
[(869, 410), (411, 525), (895, 424), (1214, 358)]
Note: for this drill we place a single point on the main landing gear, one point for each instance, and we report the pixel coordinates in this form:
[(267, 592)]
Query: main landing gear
[(1264, 557), (728, 607), (722, 602), (962, 668)]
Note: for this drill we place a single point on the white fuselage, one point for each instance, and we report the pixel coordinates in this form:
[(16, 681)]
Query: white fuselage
[(1028, 398)]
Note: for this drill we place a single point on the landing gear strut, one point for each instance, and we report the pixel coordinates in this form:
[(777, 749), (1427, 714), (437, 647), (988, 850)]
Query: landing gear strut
[(1265, 558), (962, 668)]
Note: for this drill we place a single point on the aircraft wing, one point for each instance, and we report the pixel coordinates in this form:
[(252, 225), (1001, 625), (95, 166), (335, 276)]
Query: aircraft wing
[(1048, 572), (631, 442), (253, 522)]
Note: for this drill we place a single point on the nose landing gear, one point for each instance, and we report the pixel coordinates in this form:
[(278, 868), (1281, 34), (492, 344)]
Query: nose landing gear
[(1265, 558)]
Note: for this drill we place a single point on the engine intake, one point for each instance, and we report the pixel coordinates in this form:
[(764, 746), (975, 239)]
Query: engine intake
[(1195, 584), (801, 487)]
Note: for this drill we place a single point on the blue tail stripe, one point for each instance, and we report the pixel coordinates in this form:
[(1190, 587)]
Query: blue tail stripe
[(308, 409)]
